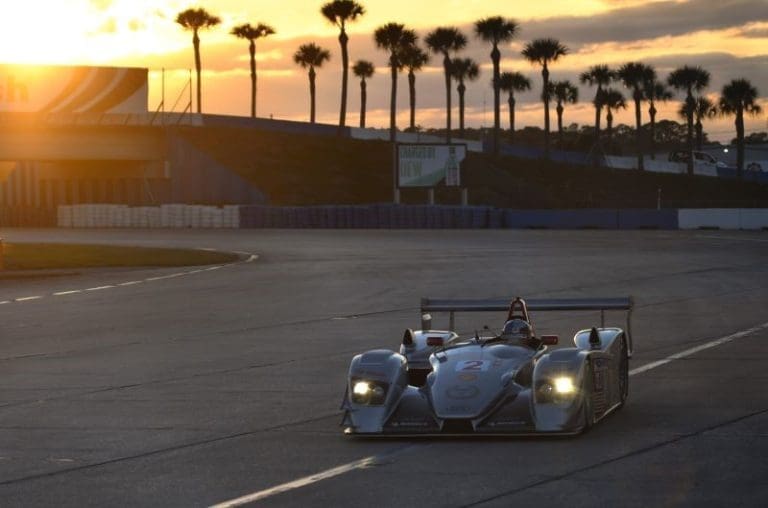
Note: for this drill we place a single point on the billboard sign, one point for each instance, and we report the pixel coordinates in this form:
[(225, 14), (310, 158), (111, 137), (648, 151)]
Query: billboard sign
[(59, 89), (427, 165)]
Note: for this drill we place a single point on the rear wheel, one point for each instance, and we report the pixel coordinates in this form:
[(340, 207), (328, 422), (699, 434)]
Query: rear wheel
[(623, 372)]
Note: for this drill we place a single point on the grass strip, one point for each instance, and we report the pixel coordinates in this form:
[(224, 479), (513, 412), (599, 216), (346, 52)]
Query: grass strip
[(53, 256)]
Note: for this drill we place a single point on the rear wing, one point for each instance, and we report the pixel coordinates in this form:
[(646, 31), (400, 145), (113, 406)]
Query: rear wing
[(429, 305)]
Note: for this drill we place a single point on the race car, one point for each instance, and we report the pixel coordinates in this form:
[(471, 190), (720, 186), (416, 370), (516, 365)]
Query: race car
[(510, 383)]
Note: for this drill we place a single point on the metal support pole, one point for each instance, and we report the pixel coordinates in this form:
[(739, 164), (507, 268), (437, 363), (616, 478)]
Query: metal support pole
[(464, 196), (431, 195)]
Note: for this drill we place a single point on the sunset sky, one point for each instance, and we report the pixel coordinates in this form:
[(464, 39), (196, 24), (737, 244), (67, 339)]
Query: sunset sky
[(727, 37)]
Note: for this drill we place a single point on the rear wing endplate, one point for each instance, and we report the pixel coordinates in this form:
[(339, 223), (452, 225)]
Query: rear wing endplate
[(429, 305)]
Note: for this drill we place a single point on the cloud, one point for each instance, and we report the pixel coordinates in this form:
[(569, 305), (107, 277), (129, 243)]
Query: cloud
[(648, 21), (101, 5)]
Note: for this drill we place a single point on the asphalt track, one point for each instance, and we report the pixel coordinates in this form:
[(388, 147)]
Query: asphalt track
[(159, 387)]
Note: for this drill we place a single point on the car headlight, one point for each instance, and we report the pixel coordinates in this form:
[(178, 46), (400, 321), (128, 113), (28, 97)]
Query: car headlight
[(367, 392), (555, 390), (564, 385)]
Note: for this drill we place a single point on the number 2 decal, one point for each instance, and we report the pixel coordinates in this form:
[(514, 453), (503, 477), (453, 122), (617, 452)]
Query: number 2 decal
[(472, 366)]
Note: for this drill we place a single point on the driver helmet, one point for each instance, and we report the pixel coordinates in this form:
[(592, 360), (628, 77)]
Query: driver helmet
[(517, 329)]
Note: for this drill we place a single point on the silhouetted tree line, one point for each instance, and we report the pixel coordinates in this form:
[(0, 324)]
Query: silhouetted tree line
[(640, 83)]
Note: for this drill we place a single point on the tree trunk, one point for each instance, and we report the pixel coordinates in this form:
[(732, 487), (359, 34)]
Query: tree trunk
[(461, 89), (739, 143), (639, 132), (252, 49), (652, 114), (689, 136), (609, 129), (545, 96), (363, 98), (598, 111), (311, 95), (559, 110), (511, 118), (447, 70), (343, 39), (699, 134), (496, 57), (198, 67), (412, 97), (393, 102)]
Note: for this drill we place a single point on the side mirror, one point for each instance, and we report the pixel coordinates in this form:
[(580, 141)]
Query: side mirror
[(408, 337), (549, 340)]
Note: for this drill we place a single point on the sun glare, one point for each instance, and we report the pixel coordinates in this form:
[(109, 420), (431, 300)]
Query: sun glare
[(72, 32)]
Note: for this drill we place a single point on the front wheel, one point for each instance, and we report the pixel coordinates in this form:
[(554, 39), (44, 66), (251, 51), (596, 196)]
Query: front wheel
[(586, 393)]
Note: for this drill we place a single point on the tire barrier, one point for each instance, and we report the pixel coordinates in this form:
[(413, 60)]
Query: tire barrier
[(380, 216), (165, 216)]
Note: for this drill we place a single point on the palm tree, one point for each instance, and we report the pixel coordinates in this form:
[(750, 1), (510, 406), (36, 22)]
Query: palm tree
[(702, 108), (612, 100), (196, 20), (413, 58), (395, 38), (600, 76), (513, 82), (311, 56), (251, 33), (739, 97), (689, 79), (634, 75), (363, 69), (543, 51), (339, 12), (463, 69), (655, 91), (565, 93), (496, 30), (444, 41)]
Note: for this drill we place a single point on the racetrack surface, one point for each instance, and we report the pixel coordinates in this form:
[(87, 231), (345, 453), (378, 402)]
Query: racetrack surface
[(203, 387)]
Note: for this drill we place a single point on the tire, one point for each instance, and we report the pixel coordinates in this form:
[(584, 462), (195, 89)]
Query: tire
[(586, 393), (623, 381)]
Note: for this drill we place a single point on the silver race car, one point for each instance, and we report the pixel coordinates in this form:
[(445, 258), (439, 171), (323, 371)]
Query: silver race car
[(509, 383)]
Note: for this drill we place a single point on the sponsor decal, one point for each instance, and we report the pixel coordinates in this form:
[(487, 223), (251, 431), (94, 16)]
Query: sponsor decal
[(467, 377), (371, 373), (62, 89), (472, 366), (462, 392)]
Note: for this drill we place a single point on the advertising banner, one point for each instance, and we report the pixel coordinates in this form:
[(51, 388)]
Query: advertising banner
[(55, 89), (427, 165)]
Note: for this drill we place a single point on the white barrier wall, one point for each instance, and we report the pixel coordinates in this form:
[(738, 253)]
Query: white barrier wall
[(723, 218), (165, 216)]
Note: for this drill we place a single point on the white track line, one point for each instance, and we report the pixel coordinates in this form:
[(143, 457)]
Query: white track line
[(301, 482), (251, 258), (27, 298), (368, 461), (696, 349)]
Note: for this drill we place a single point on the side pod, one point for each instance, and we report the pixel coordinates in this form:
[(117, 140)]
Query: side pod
[(375, 384)]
